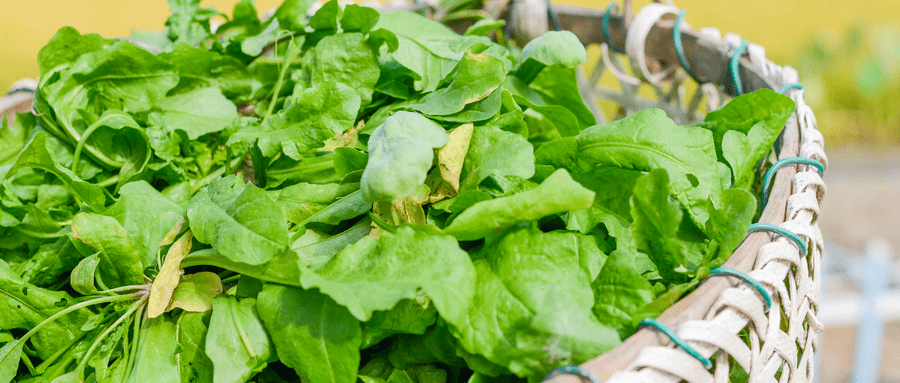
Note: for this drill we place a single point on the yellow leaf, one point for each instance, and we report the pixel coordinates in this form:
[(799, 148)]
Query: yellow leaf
[(452, 155), (169, 275), (195, 292)]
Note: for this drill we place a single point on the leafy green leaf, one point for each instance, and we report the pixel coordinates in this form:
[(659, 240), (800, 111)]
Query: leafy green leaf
[(745, 129), (557, 194), (199, 68), (476, 77), (193, 364), (493, 151), (646, 140), (24, 306), (291, 14), (371, 275), (312, 334), (37, 154), (241, 222), (197, 112), (155, 360), (620, 290), (656, 221), (147, 215), (348, 59), (120, 261), (10, 354), (319, 113), (400, 154), (529, 313), (237, 342), (552, 48)]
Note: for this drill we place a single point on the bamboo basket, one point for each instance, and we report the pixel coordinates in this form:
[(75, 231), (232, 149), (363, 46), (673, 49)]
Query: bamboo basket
[(778, 345)]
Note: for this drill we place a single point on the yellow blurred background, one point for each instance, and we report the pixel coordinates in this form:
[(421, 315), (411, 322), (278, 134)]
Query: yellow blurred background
[(778, 25)]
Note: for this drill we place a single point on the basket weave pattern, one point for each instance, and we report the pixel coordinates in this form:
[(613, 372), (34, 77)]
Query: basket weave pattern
[(774, 346)]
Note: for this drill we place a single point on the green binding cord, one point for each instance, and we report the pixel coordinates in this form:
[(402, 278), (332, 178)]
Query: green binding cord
[(787, 87), (725, 271), (782, 163), (735, 75), (554, 17), (659, 326), (756, 227), (604, 24), (586, 376), (679, 47)]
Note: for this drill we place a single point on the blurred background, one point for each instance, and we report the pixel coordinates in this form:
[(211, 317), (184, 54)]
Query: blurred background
[(848, 56)]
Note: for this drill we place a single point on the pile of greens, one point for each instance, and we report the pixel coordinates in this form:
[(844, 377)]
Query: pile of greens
[(353, 195)]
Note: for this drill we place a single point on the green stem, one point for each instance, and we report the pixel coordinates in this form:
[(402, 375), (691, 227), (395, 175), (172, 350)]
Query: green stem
[(138, 321), (109, 181), (34, 234), (292, 52), (79, 371), (87, 132), (78, 306), (124, 288)]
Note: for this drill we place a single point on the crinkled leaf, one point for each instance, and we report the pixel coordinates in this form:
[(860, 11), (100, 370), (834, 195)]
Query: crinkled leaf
[(197, 112), (348, 59), (656, 221), (240, 221), (189, 22), (200, 68), (620, 291), (321, 112), (237, 342), (291, 14), (643, 141), (409, 316), (312, 334), (83, 276), (371, 275), (745, 129), (530, 310), (400, 154), (557, 194)]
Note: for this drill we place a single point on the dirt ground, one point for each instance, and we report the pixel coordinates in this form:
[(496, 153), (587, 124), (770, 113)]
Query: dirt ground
[(862, 202)]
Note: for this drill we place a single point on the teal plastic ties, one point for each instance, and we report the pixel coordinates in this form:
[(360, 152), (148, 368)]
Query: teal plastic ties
[(604, 24), (679, 47), (729, 272), (659, 326), (787, 87), (735, 74), (782, 163), (554, 17), (760, 226), (586, 376)]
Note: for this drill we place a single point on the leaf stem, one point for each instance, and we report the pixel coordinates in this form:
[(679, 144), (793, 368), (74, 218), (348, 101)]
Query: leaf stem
[(289, 56), (79, 371), (76, 307)]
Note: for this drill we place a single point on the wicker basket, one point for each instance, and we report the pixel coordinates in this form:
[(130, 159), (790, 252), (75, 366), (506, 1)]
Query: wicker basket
[(779, 345)]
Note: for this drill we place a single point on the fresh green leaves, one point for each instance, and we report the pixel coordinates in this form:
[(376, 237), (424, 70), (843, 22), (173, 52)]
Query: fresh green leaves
[(312, 334), (400, 154), (352, 195), (240, 221)]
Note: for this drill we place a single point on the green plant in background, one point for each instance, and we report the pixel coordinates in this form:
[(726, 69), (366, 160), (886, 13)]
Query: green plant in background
[(852, 81)]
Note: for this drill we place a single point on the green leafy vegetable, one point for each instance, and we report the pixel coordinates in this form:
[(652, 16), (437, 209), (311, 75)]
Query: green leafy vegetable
[(347, 194)]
